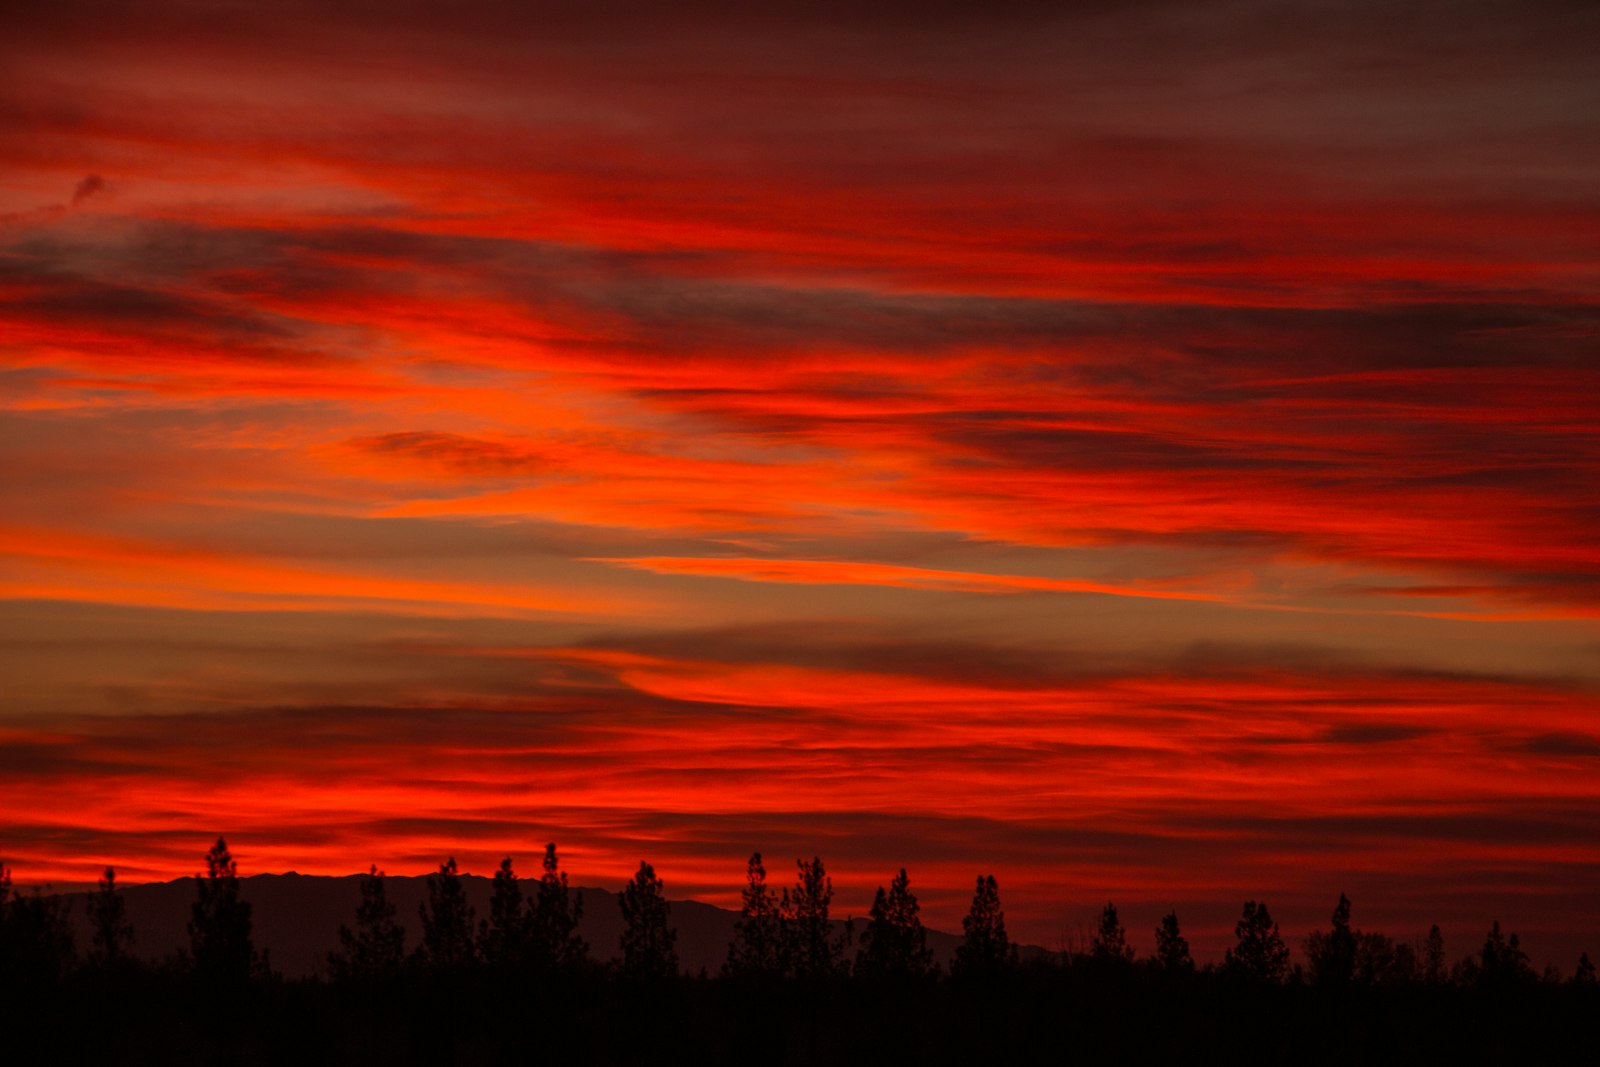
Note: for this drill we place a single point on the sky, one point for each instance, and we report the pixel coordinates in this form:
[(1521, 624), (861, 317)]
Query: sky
[(1149, 452)]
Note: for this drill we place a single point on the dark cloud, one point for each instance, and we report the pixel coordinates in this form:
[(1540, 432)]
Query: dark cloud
[(454, 451), (1375, 733), (1511, 823), (1561, 744), (86, 188)]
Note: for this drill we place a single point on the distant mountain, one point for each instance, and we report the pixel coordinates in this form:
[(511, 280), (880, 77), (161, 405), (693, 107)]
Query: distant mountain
[(297, 919)]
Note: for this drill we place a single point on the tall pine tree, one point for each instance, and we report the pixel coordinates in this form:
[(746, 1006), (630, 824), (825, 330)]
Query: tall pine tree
[(447, 943), (985, 950), (220, 945), (649, 943), (557, 911), (1259, 954), (1110, 947), (815, 949), (376, 948), (757, 947), (504, 938), (1435, 970), (1332, 955), (1172, 948), (894, 942), (111, 935)]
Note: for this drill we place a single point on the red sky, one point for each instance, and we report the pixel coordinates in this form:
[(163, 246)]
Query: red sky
[(1146, 451)]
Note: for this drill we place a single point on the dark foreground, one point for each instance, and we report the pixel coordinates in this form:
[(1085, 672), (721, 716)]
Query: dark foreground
[(1032, 1016)]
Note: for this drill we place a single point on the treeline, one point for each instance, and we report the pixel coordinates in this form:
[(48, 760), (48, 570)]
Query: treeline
[(788, 933), (797, 987)]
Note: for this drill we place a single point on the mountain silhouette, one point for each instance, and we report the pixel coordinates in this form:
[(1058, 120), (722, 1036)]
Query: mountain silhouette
[(297, 919)]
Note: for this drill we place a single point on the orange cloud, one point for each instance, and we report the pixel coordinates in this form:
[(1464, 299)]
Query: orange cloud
[(830, 572)]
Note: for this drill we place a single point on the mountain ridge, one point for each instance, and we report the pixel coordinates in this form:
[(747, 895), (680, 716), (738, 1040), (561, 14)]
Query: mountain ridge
[(296, 918)]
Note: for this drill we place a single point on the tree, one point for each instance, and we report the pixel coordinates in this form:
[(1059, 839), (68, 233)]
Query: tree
[(5, 917), (556, 913), (1172, 948), (649, 944), (985, 949), (1434, 968), (1332, 955), (220, 944), (1502, 962), (815, 950), (1584, 975), (447, 943), (1380, 960), (1260, 954), (1110, 946), (504, 937), (757, 947), (376, 948), (36, 943), (111, 935), (895, 941)]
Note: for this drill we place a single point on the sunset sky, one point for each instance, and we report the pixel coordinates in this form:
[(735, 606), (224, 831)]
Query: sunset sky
[(1147, 451)]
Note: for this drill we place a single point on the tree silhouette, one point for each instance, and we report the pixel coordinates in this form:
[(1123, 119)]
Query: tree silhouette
[(1332, 955), (649, 944), (1110, 944), (1584, 974), (1502, 962), (220, 943), (36, 943), (1434, 968), (1172, 948), (985, 950), (757, 947), (376, 948), (504, 937), (556, 913), (815, 951), (1380, 959), (1260, 954), (895, 941), (447, 943), (111, 935)]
